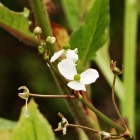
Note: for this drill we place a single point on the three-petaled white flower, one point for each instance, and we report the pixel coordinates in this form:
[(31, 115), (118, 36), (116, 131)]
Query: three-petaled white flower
[(77, 81), (66, 52)]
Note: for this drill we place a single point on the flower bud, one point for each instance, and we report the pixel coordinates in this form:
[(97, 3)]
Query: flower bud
[(46, 56), (25, 94), (115, 69), (50, 39), (37, 31), (105, 136), (41, 49), (66, 46), (43, 44)]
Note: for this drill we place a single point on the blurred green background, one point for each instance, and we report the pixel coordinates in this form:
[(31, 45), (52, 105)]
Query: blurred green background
[(21, 65)]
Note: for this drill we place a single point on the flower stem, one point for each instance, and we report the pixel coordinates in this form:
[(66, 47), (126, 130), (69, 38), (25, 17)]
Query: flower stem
[(84, 127), (42, 19), (53, 96), (102, 116), (114, 103)]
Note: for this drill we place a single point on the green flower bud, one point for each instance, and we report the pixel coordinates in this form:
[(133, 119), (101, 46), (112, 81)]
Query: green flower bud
[(37, 31), (43, 44), (66, 46), (77, 77), (41, 49), (50, 39)]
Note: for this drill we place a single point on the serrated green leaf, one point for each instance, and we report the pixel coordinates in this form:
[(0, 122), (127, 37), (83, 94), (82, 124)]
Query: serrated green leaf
[(35, 127), (6, 124), (17, 23), (91, 36)]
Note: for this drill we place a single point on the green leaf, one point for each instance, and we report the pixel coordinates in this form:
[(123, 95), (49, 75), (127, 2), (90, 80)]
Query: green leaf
[(91, 36), (5, 135), (6, 124), (35, 127), (17, 24), (71, 10)]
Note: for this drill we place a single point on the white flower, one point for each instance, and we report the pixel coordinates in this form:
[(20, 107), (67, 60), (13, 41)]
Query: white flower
[(62, 126), (66, 51), (77, 81), (51, 40)]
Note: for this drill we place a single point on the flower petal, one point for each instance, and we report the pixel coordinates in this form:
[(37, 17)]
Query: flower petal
[(56, 55), (89, 76), (71, 54), (76, 85), (67, 69), (75, 50), (64, 130), (26, 113)]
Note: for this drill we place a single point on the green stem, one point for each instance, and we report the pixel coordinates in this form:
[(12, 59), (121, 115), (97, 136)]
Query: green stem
[(42, 19), (41, 16), (102, 116), (130, 36)]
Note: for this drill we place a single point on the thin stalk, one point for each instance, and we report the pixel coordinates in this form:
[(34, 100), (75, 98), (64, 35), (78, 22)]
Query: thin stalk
[(53, 96), (83, 127), (114, 103), (129, 53)]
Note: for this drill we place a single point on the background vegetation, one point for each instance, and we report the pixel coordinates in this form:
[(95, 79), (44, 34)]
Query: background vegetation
[(20, 64)]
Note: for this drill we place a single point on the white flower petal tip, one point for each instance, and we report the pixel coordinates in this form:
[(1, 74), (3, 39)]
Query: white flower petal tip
[(26, 113), (89, 76), (67, 68), (76, 85), (71, 54), (56, 55)]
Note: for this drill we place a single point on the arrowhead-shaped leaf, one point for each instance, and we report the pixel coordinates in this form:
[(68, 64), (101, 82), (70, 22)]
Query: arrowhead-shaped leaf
[(35, 127), (91, 35), (17, 24)]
